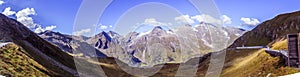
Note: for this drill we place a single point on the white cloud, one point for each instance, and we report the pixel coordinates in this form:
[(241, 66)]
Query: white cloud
[(50, 27), (250, 21), (23, 17), (7, 11), (39, 29), (103, 27), (207, 19), (81, 32), (26, 12), (1, 2), (153, 22), (226, 19), (185, 19), (27, 21)]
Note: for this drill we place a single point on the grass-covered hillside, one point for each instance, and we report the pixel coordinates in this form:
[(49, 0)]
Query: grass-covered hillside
[(14, 61), (46, 54), (256, 63)]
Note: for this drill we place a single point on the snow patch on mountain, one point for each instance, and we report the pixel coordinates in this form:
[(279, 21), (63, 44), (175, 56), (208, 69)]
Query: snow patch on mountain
[(195, 29), (144, 33), (170, 32), (206, 43)]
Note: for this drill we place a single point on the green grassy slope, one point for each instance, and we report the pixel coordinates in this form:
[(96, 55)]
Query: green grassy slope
[(38, 49), (14, 61), (256, 63)]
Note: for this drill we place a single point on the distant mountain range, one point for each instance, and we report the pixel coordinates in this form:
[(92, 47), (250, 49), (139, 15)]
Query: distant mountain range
[(134, 48)]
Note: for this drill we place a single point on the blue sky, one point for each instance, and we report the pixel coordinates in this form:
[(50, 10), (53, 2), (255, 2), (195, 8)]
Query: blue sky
[(62, 13)]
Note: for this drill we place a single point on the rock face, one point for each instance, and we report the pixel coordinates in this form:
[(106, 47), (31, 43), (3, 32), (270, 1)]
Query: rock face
[(69, 43), (101, 41), (179, 45), (154, 47), (271, 30), (62, 41), (43, 52)]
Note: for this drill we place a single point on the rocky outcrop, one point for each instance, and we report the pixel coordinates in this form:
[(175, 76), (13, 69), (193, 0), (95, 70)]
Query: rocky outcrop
[(58, 39), (69, 43)]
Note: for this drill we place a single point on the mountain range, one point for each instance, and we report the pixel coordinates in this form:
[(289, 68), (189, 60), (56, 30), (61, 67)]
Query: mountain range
[(135, 48)]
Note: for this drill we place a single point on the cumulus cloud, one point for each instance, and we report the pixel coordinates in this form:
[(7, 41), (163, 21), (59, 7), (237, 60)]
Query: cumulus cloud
[(250, 21), (26, 12), (103, 27), (7, 12), (1, 2), (153, 22), (50, 27), (23, 16), (207, 18), (185, 19), (39, 29), (226, 19), (81, 32)]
